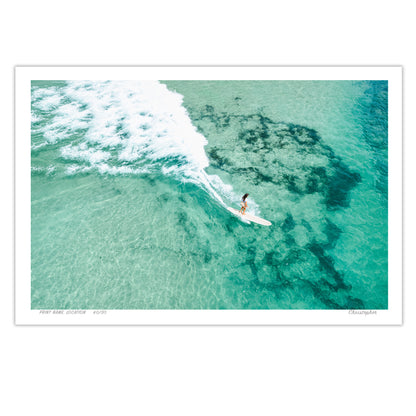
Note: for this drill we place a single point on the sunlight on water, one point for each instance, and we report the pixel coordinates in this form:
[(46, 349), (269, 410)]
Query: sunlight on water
[(130, 181)]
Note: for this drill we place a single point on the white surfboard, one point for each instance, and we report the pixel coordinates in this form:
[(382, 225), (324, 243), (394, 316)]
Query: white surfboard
[(249, 217)]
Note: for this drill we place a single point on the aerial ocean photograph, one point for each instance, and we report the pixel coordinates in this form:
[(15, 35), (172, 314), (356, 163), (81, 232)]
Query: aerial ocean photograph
[(225, 194)]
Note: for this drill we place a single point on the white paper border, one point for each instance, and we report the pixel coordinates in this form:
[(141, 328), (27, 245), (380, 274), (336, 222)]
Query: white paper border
[(25, 316)]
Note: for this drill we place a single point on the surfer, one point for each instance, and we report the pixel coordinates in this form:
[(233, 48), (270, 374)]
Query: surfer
[(243, 204)]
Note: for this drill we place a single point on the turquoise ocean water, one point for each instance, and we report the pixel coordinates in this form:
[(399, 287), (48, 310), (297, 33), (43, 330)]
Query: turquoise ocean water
[(131, 180)]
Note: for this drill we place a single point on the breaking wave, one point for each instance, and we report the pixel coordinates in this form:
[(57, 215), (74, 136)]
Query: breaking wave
[(121, 128)]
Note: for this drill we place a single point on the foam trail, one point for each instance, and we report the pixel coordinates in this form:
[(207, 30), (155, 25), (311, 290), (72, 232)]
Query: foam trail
[(126, 127)]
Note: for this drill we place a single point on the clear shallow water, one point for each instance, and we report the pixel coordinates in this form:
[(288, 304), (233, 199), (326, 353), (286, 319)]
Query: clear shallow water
[(130, 181)]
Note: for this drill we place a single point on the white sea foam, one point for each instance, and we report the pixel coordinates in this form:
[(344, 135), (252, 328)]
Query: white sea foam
[(71, 170), (48, 102), (49, 170), (38, 146), (139, 122), (227, 190), (83, 153), (34, 118), (38, 93), (121, 170)]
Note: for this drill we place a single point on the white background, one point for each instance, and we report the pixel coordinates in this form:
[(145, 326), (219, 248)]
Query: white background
[(205, 370)]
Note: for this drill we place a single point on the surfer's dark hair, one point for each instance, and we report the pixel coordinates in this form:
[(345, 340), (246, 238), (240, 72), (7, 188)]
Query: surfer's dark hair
[(245, 196)]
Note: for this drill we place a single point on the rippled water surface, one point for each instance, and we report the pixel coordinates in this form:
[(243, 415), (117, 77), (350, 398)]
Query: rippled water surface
[(131, 180)]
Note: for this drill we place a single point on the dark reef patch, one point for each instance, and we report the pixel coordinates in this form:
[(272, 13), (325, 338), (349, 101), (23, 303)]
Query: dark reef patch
[(324, 296), (284, 154), (339, 186), (288, 223), (332, 233), (186, 224), (218, 160), (291, 159), (306, 225), (327, 265)]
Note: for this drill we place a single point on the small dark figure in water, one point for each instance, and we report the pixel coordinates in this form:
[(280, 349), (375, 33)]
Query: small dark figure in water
[(243, 204)]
